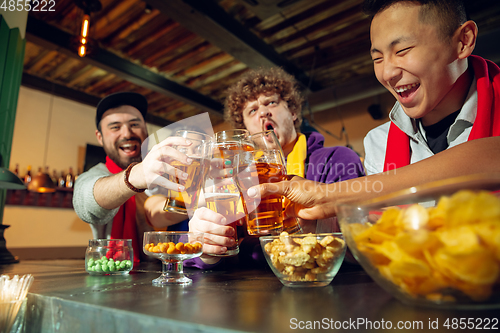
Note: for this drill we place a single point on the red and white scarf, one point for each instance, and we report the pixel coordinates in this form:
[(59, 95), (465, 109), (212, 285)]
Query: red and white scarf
[(487, 121), (124, 223)]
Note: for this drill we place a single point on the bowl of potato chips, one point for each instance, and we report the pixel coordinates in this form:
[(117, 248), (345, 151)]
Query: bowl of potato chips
[(304, 260), (433, 245)]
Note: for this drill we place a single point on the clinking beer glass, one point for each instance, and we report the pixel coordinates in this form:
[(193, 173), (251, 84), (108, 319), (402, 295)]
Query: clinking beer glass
[(264, 164), (233, 136), (222, 195), (182, 202)]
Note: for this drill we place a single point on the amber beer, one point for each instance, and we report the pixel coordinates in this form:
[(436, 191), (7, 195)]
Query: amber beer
[(291, 224), (180, 202), (228, 150), (226, 204), (267, 218)]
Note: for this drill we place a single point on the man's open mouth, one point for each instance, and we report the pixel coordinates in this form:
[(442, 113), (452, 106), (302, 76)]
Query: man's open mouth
[(130, 148), (268, 126), (406, 90)]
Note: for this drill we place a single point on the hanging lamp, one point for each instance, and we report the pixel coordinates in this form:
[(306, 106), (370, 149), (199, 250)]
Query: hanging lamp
[(84, 42), (41, 182), (9, 180)]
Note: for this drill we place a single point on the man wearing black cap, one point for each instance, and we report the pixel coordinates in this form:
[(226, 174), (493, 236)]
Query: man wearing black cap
[(110, 197)]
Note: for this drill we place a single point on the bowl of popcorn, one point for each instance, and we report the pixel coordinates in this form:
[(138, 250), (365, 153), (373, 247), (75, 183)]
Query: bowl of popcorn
[(304, 260), (433, 245)]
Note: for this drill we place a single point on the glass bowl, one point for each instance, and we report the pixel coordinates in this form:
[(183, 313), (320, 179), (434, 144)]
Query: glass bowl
[(434, 245), (304, 260), (109, 256), (172, 248)]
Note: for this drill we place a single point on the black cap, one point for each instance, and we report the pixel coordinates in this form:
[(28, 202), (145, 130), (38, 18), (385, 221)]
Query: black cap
[(118, 99)]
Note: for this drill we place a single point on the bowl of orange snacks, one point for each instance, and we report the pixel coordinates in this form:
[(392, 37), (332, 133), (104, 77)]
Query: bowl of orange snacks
[(172, 248), (304, 260), (433, 245)]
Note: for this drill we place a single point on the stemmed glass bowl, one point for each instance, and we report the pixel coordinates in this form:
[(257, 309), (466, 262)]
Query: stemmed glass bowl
[(172, 248)]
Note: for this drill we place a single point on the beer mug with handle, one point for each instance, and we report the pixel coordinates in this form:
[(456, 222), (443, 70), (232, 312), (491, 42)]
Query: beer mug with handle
[(264, 164)]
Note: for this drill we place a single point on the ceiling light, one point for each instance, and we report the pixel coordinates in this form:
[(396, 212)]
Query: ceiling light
[(84, 41)]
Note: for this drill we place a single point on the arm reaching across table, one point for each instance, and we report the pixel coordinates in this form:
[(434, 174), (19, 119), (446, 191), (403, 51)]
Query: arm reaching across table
[(312, 200)]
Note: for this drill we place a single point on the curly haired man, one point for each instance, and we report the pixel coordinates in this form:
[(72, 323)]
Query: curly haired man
[(266, 99)]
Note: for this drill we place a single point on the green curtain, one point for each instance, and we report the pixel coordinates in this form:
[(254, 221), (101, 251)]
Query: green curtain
[(11, 70)]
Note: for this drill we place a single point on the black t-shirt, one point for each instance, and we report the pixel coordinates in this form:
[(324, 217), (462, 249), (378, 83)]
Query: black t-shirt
[(436, 134)]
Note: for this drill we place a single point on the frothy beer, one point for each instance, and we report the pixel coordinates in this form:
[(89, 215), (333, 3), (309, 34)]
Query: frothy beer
[(180, 202), (226, 204), (267, 218)]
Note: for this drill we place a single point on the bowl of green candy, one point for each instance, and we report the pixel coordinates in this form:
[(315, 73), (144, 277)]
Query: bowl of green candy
[(109, 256)]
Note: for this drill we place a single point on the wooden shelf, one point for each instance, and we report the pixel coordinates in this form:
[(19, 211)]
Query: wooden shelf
[(61, 198)]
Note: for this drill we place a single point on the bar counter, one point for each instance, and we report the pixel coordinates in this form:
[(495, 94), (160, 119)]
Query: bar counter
[(65, 298)]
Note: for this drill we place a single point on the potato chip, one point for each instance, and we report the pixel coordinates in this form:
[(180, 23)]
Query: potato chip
[(467, 207), (390, 250), (438, 214), (479, 267), (432, 284), (357, 228), (460, 240), (414, 242), (431, 252), (373, 255), (391, 221), (489, 234), (375, 236), (486, 207), (410, 267), (415, 217)]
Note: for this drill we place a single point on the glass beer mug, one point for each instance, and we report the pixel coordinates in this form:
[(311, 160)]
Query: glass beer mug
[(187, 200), (264, 164)]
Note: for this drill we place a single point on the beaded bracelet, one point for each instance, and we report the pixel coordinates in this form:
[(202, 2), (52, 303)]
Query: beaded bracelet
[(125, 178)]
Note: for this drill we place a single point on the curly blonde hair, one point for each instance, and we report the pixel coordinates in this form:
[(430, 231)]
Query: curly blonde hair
[(266, 81)]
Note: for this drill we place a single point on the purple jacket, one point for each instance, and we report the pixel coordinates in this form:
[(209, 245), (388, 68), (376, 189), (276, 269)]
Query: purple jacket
[(323, 164), (330, 164)]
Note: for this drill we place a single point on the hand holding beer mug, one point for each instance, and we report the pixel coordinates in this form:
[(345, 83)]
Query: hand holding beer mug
[(187, 201), (265, 164), (221, 192)]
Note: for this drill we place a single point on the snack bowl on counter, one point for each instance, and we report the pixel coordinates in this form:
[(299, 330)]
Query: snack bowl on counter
[(109, 257), (304, 260), (434, 245), (172, 248)]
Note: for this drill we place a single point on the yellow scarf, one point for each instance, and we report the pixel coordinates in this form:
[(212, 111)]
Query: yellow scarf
[(295, 162)]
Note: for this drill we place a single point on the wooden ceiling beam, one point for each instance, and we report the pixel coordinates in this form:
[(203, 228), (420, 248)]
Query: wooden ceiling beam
[(56, 89), (208, 20), (51, 38), (291, 21), (353, 14)]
